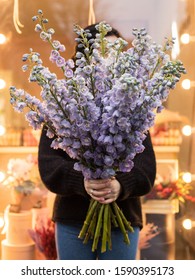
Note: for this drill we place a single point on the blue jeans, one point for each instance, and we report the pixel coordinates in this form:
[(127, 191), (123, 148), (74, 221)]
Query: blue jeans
[(70, 247)]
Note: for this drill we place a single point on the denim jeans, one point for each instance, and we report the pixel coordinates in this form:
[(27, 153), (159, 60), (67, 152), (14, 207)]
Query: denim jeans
[(70, 247)]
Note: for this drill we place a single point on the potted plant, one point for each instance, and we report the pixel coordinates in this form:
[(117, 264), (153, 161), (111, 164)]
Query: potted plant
[(26, 188)]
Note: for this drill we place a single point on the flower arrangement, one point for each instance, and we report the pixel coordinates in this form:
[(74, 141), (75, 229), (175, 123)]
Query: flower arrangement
[(177, 189), (44, 237), (24, 182), (100, 111)]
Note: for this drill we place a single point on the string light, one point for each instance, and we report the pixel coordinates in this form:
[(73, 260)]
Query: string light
[(2, 84), (2, 39), (188, 177), (2, 130), (187, 38), (188, 224), (187, 130), (16, 20), (186, 84)]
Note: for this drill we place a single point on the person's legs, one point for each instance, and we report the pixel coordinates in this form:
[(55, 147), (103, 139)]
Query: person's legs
[(120, 250), (69, 246)]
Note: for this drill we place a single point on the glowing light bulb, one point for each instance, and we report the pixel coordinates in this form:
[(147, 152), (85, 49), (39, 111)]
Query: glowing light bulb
[(2, 84), (187, 130), (187, 224), (2, 39), (2, 130), (185, 38), (186, 84), (187, 177)]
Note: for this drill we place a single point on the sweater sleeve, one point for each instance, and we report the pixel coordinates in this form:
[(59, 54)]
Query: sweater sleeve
[(56, 170), (140, 180)]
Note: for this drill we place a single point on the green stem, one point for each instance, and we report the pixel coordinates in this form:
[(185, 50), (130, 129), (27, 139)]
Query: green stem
[(109, 239), (98, 228), (113, 218), (90, 232), (105, 228), (92, 209), (120, 222), (126, 223)]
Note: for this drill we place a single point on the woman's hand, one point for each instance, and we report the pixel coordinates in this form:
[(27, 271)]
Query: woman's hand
[(103, 190)]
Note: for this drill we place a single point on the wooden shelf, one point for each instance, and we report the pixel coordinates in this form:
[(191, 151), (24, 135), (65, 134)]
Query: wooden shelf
[(166, 149), (161, 206), (18, 150)]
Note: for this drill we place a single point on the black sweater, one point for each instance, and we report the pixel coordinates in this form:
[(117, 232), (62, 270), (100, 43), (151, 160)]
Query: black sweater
[(72, 201)]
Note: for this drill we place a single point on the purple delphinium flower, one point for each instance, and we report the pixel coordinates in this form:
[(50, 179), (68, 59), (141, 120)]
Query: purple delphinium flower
[(54, 55), (103, 107)]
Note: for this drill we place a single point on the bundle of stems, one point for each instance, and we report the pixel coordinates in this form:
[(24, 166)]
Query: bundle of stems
[(99, 222)]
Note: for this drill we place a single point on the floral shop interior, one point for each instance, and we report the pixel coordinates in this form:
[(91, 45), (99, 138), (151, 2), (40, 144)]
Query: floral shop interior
[(26, 226)]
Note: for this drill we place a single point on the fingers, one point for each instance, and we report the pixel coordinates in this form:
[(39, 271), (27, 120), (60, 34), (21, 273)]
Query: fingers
[(104, 197), (105, 190), (100, 196), (108, 200), (100, 187)]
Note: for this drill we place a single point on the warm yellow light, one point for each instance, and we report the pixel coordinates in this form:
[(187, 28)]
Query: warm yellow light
[(187, 177), (186, 84), (2, 176), (185, 38), (1, 222), (187, 130), (187, 224), (2, 39), (2, 130), (2, 84)]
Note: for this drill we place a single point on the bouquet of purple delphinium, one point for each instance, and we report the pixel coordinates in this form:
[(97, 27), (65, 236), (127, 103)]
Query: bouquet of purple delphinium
[(99, 113)]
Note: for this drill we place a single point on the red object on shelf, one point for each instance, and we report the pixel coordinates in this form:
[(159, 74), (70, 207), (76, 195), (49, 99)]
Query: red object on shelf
[(30, 138)]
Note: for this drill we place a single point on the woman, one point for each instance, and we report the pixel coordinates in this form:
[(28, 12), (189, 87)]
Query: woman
[(73, 194)]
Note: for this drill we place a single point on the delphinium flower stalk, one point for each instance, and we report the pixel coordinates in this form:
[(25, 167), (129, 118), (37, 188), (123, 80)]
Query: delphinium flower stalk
[(99, 113)]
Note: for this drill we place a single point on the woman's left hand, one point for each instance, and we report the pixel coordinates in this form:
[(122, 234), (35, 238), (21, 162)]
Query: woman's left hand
[(103, 190)]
